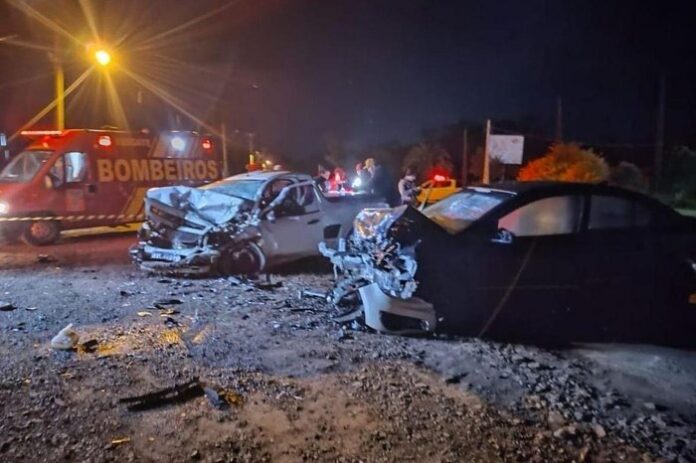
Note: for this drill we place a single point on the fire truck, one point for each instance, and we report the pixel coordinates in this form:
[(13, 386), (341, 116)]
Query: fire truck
[(81, 178)]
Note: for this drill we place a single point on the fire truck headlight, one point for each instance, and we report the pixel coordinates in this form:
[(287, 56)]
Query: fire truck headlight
[(4, 207), (178, 143)]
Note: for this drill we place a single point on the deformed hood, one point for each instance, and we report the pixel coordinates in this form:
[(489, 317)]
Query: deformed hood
[(205, 207)]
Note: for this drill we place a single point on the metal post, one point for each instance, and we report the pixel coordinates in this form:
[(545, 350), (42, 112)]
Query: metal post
[(3, 145), (486, 155), (225, 166), (250, 137), (465, 157), (659, 134), (559, 120), (60, 95)]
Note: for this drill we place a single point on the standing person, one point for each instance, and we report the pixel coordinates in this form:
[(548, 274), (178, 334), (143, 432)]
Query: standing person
[(323, 179), (339, 179), (362, 178), (382, 182), (407, 187)]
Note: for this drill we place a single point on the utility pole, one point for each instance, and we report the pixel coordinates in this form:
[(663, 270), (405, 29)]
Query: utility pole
[(250, 139), (3, 146), (559, 119), (56, 58), (60, 95), (223, 136), (659, 133), (465, 157), (486, 155)]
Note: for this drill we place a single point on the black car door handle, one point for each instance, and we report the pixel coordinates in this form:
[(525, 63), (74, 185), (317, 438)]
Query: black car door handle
[(91, 188), (313, 221)]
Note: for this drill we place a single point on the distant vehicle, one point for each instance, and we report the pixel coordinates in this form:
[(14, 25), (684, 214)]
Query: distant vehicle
[(84, 178), (243, 224), (530, 261), (434, 190)]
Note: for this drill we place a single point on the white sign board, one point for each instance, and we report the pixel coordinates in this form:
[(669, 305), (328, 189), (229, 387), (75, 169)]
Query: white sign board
[(506, 149)]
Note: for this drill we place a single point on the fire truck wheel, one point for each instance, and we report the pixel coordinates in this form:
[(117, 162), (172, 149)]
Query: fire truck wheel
[(42, 233), (246, 260)]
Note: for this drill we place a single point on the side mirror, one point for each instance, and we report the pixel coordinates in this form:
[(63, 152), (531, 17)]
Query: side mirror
[(271, 216), (503, 236)]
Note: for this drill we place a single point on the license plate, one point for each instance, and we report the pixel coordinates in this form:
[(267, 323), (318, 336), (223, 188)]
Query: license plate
[(168, 256)]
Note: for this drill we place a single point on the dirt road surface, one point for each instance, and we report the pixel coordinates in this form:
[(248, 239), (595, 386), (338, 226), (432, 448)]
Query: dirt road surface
[(295, 386)]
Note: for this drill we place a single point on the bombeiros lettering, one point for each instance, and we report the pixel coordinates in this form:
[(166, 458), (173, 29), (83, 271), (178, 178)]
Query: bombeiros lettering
[(144, 170)]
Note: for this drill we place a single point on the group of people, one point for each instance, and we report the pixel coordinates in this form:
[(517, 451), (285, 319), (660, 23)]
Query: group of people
[(370, 177)]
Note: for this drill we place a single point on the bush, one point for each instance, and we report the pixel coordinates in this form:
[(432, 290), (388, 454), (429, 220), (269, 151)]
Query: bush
[(679, 178), (629, 176), (566, 162)]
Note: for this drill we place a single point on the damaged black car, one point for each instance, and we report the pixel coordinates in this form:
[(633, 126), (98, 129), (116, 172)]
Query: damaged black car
[(528, 261)]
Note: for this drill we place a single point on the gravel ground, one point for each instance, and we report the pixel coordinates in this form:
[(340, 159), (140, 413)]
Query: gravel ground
[(295, 385)]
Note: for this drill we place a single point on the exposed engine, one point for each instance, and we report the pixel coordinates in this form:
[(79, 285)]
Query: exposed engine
[(374, 254)]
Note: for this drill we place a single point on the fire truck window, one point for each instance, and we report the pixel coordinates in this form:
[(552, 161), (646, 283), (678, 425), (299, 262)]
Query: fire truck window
[(75, 167), (57, 172)]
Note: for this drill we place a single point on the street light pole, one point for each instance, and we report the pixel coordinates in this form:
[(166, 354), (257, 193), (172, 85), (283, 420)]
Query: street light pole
[(57, 59), (60, 94)]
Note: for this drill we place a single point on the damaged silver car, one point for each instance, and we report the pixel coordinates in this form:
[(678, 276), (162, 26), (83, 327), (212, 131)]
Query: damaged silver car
[(241, 225)]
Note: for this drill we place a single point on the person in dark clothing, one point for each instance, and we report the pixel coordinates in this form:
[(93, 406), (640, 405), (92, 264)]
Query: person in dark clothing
[(323, 179), (408, 190), (382, 182), (362, 178)]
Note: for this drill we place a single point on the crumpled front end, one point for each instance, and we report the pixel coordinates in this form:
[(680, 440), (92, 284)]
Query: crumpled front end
[(173, 251), (379, 262), (188, 230)]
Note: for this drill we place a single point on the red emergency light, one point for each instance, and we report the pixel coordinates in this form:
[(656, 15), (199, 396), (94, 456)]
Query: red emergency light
[(105, 141), (41, 133), (440, 178), (206, 144)]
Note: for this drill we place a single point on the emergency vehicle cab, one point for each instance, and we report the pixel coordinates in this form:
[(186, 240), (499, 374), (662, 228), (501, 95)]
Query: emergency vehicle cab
[(82, 178)]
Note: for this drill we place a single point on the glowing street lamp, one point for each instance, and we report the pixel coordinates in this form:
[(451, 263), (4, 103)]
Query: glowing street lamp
[(102, 57)]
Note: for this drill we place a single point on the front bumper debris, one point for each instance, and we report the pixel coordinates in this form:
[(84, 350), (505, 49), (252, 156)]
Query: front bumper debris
[(196, 260), (396, 316)]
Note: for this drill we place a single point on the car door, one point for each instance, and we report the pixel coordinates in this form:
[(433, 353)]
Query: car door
[(70, 177), (531, 281), (294, 228), (619, 267)]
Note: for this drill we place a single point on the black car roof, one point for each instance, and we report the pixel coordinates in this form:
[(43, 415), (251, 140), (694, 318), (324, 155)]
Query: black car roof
[(536, 189), (564, 187)]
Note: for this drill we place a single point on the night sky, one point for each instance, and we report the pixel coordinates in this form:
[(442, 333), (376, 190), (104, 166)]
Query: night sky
[(367, 72)]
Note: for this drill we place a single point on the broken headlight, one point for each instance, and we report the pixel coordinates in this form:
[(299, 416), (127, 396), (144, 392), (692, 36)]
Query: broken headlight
[(370, 223)]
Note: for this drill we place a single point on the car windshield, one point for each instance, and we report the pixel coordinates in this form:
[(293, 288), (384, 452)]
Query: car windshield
[(457, 212), (24, 167), (245, 189)]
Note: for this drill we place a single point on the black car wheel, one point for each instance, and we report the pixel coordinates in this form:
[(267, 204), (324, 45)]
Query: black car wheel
[(42, 233), (246, 259)]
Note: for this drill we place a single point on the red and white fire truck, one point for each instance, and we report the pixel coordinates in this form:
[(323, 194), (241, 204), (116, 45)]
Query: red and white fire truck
[(82, 178)]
